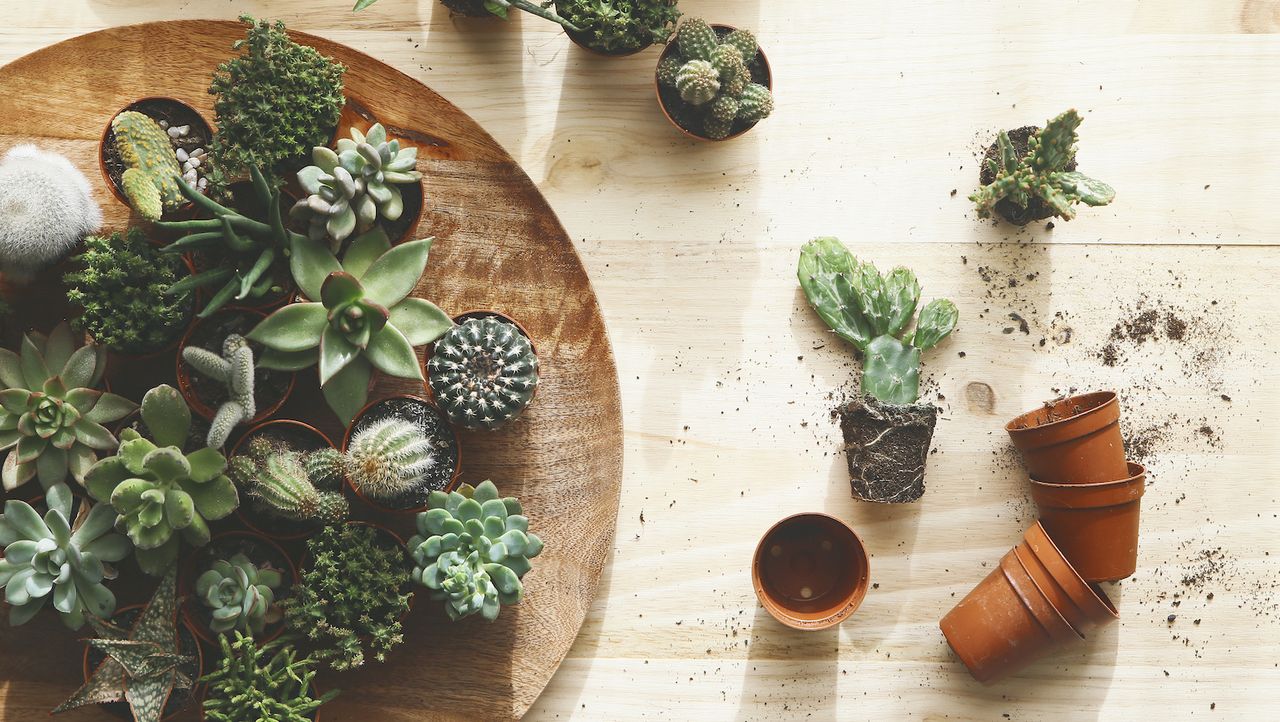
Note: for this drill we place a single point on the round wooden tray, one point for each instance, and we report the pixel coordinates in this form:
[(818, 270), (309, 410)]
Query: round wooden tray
[(499, 245)]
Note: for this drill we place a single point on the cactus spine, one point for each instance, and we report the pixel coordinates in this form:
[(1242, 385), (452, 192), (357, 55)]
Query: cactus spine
[(46, 207), (233, 369), (389, 458), (484, 372), (712, 76), (151, 168)]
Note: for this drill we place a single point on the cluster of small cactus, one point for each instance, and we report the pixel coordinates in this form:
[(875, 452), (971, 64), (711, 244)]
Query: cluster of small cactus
[(46, 207), (351, 188), (239, 594), (874, 313), (472, 549), (484, 373), (300, 486), (261, 683), (150, 178), (389, 458), (233, 369), (713, 78), (1041, 175)]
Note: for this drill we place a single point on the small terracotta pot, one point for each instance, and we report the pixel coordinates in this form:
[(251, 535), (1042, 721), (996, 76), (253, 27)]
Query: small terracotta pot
[(453, 478), (122, 710), (187, 389), (1095, 525), (995, 631), (192, 610), (657, 87), (1084, 619), (1089, 600), (1072, 441), (1040, 604), (280, 529), (108, 136), (578, 40), (810, 571)]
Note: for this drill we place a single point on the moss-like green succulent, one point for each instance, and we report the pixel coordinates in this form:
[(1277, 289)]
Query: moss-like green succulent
[(161, 494), (239, 594), (617, 26), (261, 683)]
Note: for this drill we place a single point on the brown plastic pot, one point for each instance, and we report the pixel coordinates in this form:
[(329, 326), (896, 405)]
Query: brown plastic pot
[(1075, 440), (810, 571), (454, 477), (721, 30), (188, 391), (1090, 600), (995, 631), (281, 529), (1097, 609), (1095, 525), (189, 571), (108, 136), (1037, 601)]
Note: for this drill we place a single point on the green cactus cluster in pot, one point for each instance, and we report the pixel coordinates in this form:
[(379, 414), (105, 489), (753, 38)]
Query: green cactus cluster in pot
[(262, 683), (472, 549), (150, 178), (483, 372), (709, 80), (294, 485), (239, 594)]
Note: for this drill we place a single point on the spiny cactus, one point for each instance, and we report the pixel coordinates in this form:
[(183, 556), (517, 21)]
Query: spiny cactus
[(326, 469), (46, 207), (1042, 174), (287, 483), (261, 683), (351, 188), (59, 558), (389, 458), (240, 595), (233, 369), (484, 373), (151, 170), (873, 312), (712, 78), (472, 549)]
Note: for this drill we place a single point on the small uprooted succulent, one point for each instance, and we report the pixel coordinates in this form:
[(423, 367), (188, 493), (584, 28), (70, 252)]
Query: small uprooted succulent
[(161, 494), (713, 79), (1040, 182), (150, 178), (351, 188), (233, 369), (472, 549), (46, 207), (389, 458), (300, 486), (261, 683), (50, 414), (59, 558), (484, 372), (886, 433), (240, 595)]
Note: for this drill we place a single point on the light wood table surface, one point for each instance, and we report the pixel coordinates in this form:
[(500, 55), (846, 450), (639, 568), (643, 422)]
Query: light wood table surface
[(727, 377)]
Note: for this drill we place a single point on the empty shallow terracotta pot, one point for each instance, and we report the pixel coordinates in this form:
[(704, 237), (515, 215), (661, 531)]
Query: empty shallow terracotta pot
[(1075, 440), (1095, 525), (1090, 600), (810, 571)]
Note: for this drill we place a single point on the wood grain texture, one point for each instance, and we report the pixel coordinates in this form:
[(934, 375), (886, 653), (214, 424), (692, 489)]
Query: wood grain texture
[(882, 108)]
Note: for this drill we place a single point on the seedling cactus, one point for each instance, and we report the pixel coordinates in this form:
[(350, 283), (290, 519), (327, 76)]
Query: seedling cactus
[(46, 207), (151, 170), (713, 81), (240, 595), (233, 369), (290, 484), (484, 373)]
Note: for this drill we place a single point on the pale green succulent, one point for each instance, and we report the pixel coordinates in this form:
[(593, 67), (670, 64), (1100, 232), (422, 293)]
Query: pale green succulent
[(240, 595)]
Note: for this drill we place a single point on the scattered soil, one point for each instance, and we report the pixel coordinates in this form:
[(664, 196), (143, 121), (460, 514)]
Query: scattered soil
[(688, 116), (1036, 209), (887, 446), (157, 109), (269, 386), (181, 698), (433, 425)]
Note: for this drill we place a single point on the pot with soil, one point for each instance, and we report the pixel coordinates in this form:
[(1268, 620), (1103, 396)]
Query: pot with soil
[(205, 394), (887, 432), (810, 571), (397, 451), (1075, 440), (236, 583), (288, 437), (705, 91), (1095, 525), (188, 644), (188, 134), (602, 30), (483, 372)]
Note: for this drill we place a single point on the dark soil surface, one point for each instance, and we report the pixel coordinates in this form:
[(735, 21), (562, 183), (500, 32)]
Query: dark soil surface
[(886, 446), (1036, 209), (181, 698), (157, 109), (688, 116), (432, 423), (400, 229), (269, 386)]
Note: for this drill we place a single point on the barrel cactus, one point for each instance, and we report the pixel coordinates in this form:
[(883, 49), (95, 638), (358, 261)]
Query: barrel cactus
[(389, 458), (46, 207), (484, 372), (709, 79), (240, 595), (233, 369), (283, 482), (472, 549), (151, 170)]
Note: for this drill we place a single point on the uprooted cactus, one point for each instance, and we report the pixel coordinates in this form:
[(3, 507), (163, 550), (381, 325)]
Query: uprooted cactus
[(1042, 181), (151, 170), (886, 433), (233, 369)]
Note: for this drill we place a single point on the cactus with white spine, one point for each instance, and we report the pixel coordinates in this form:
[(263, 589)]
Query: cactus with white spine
[(698, 82), (151, 170), (712, 76), (389, 458), (46, 208), (484, 372), (233, 369), (280, 481)]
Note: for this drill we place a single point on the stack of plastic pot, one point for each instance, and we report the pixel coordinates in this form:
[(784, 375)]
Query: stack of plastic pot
[(1044, 593)]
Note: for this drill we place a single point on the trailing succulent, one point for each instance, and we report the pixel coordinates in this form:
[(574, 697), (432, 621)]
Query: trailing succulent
[(300, 486), (261, 683), (352, 596), (272, 104), (58, 558), (1042, 182), (484, 373), (161, 494), (361, 318), (151, 169), (389, 458), (472, 549), (712, 77), (618, 26), (122, 288), (46, 207), (350, 189), (50, 415), (240, 595), (233, 369)]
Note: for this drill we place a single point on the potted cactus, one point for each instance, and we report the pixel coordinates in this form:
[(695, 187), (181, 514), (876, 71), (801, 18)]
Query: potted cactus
[(1030, 174), (713, 82), (46, 208), (886, 432), (397, 452), (146, 147), (262, 682), (483, 372), (236, 583), (618, 27), (292, 491)]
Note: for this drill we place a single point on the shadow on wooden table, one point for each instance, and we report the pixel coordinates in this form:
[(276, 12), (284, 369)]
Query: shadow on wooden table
[(802, 664)]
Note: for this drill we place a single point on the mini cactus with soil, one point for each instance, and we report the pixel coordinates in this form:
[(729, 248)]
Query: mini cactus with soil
[(886, 432), (714, 82), (483, 372), (398, 451)]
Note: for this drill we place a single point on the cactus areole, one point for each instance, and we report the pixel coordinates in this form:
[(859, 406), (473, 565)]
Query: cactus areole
[(886, 432)]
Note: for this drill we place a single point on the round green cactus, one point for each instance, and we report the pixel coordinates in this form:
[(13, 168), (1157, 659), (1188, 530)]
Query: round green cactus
[(712, 76), (755, 104), (696, 39), (698, 82), (240, 595), (745, 43), (483, 372)]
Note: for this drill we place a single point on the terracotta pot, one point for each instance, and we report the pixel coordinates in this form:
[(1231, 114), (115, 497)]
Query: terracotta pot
[(1072, 441), (810, 571), (1095, 525), (186, 387), (1036, 600), (1083, 618), (108, 136), (121, 709), (579, 40), (481, 313), (721, 30), (995, 631), (454, 477), (264, 524), (1090, 600), (192, 609)]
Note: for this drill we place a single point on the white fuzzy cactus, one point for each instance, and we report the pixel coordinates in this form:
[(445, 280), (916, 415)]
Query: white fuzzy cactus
[(46, 208), (233, 369)]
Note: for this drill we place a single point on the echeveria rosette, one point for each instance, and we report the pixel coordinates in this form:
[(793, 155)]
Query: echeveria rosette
[(239, 594), (364, 318), (50, 415), (52, 558), (161, 495)]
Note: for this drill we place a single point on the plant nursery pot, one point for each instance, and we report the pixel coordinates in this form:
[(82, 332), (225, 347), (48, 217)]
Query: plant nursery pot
[(427, 415), (300, 436), (466, 316), (1092, 603), (886, 447), (1040, 604), (579, 39), (1095, 525), (157, 108), (994, 630), (181, 699), (1075, 440), (271, 388), (810, 571), (760, 73), (1097, 610), (255, 546)]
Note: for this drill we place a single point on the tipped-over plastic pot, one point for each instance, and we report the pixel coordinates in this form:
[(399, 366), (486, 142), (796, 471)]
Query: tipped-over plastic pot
[(1075, 440), (1095, 525)]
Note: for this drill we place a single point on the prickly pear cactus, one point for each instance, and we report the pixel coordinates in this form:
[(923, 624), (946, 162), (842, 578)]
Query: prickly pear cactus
[(151, 168), (483, 372)]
